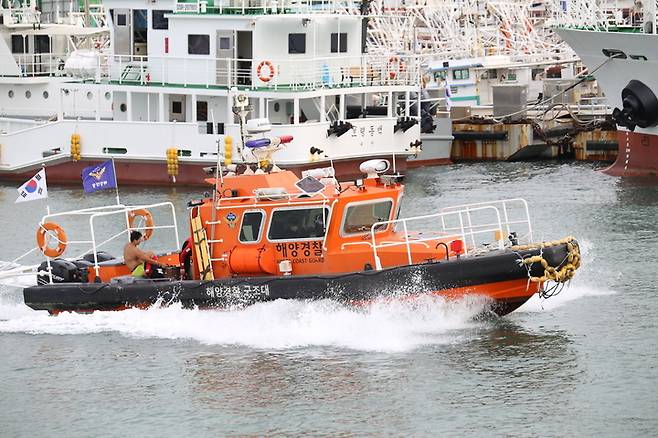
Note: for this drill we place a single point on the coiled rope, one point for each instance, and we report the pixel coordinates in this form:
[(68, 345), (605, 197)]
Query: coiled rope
[(559, 274)]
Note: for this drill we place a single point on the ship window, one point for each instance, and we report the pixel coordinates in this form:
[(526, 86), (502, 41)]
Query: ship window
[(460, 74), (41, 44), (121, 19), (296, 43), (251, 227), (19, 44), (298, 223), (198, 44), (224, 43), (201, 111), (360, 217), (335, 46), (177, 107), (160, 22)]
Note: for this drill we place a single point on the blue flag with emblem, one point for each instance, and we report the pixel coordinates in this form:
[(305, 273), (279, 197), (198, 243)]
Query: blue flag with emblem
[(101, 177)]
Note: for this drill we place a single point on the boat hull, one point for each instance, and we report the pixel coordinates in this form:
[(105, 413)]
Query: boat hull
[(154, 173), (638, 155), (497, 276), (638, 150)]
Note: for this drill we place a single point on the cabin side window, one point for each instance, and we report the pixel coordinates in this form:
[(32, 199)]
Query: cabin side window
[(338, 42), (298, 223), (296, 43), (251, 227), (359, 217), (460, 74), (159, 21), (18, 44), (198, 44)]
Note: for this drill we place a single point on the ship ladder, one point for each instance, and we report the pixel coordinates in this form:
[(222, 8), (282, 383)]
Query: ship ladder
[(201, 248)]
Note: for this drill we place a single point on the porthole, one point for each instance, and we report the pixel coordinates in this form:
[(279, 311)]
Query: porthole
[(11, 94), (90, 95), (28, 94), (108, 95), (276, 107), (45, 95), (123, 107)]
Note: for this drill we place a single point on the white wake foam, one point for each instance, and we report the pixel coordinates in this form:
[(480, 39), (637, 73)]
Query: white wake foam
[(387, 326), (568, 294)]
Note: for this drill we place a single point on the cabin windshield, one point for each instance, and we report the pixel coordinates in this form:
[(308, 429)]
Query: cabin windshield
[(298, 223), (359, 217)]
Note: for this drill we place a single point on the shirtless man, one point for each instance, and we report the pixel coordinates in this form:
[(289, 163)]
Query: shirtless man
[(135, 258)]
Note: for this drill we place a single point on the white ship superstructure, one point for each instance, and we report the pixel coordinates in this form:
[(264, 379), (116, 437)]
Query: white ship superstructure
[(173, 72)]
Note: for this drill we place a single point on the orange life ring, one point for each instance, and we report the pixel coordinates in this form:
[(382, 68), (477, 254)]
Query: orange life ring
[(60, 235), (395, 66), (148, 218), (259, 71)]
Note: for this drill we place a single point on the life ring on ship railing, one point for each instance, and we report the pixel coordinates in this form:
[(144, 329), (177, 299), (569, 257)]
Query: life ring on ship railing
[(148, 218), (395, 66), (59, 234), (260, 73)]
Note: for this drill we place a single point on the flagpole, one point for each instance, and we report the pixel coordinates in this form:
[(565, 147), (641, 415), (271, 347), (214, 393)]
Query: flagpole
[(43, 167), (116, 180)]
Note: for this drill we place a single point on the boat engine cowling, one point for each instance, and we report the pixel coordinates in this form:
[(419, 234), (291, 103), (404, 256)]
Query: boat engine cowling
[(62, 271), (640, 107)]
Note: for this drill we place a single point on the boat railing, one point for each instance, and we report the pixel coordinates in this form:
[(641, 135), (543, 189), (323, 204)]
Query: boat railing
[(93, 244), (288, 73), (515, 213), (473, 224), (40, 64), (264, 7)]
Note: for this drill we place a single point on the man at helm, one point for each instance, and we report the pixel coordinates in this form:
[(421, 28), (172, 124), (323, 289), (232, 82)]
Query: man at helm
[(135, 258)]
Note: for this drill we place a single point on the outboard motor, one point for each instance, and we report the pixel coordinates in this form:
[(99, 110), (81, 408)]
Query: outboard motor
[(640, 106), (62, 271)]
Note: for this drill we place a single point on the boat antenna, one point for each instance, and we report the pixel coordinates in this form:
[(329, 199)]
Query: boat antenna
[(116, 182)]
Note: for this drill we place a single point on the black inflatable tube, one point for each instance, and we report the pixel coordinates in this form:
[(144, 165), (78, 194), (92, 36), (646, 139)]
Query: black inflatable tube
[(433, 276)]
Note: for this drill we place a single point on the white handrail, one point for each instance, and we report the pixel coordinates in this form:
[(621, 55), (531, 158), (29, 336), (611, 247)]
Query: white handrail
[(96, 212), (466, 229)]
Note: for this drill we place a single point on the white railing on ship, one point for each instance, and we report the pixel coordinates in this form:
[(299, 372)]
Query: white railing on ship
[(41, 64), (506, 205), (267, 6), (103, 211), (228, 72), (407, 242), (465, 230)]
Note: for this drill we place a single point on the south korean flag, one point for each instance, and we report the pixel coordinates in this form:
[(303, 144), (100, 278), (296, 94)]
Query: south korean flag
[(34, 189)]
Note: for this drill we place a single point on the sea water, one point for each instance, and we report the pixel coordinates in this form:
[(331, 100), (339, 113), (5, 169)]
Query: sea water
[(583, 363)]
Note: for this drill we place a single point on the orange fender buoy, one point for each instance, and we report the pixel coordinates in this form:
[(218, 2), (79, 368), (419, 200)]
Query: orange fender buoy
[(148, 218), (59, 234), (261, 74)]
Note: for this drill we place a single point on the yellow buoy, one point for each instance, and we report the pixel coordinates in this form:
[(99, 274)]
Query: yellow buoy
[(228, 150)]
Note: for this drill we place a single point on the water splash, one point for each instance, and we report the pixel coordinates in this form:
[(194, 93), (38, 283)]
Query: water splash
[(386, 326), (568, 294)]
